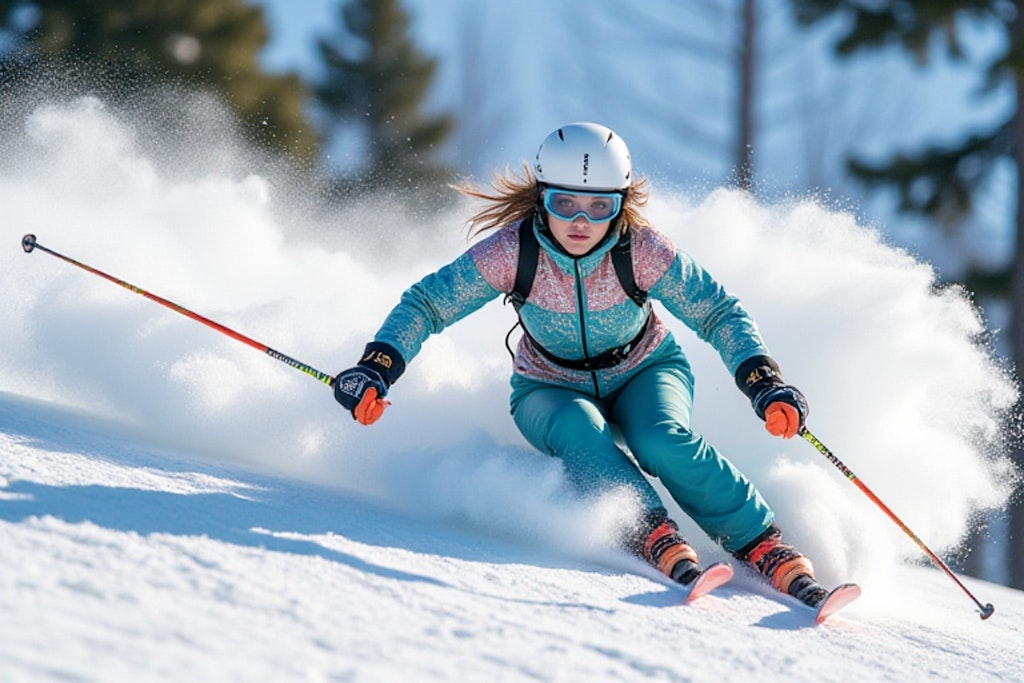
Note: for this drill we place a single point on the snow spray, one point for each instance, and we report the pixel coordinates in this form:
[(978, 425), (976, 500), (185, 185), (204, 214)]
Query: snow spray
[(891, 363)]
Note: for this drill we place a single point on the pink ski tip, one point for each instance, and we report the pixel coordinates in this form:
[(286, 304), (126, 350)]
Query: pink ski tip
[(837, 600), (711, 578)]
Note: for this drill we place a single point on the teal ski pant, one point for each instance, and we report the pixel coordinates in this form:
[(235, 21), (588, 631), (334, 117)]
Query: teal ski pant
[(652, 411)]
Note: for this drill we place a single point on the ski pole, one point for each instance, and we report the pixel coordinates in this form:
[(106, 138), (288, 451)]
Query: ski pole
[(986, 610), (29, 244)]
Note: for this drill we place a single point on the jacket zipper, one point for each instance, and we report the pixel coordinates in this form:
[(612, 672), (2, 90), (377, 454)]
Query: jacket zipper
[(583, 325)]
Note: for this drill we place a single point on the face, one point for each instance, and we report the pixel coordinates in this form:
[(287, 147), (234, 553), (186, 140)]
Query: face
[(578, 235)]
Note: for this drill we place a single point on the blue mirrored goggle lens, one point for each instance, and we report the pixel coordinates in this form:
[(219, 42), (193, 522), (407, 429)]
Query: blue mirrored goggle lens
[(596, 207)]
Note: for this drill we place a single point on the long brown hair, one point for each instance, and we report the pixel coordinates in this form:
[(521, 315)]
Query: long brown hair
[(513, 197)]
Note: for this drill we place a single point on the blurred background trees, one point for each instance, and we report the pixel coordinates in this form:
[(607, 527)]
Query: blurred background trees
[(208, 44), (375, 82)]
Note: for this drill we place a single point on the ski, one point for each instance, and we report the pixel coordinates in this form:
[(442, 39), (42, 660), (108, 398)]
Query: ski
[(708, 580), (836, 600)]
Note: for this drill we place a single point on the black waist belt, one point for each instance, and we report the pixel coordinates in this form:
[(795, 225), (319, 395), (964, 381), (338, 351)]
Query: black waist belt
[(602, 361)]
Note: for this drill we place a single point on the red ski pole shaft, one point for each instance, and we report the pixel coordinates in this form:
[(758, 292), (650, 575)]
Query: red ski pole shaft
[(29, 244), (986, 610)]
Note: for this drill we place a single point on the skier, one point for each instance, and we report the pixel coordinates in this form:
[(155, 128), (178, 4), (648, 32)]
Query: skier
[(595, 355)]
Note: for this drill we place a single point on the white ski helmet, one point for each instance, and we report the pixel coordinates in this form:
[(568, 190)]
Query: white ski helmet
[(584, 156)]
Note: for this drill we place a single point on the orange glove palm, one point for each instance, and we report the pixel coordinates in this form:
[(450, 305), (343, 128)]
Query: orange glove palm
[(370, 407), (361, 390), (781, 419)]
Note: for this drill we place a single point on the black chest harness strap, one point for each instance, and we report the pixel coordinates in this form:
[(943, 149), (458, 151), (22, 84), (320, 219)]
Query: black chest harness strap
[(622, 260)]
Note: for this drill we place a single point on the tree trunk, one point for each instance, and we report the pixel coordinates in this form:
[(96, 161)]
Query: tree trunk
[(745, 129), (1015, 536)]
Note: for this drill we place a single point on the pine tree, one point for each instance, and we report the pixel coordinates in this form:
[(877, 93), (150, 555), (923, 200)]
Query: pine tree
[(940, 181), (376, 80), (208, 44)]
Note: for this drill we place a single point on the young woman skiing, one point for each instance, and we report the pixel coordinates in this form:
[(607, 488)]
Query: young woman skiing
[(594, 354)]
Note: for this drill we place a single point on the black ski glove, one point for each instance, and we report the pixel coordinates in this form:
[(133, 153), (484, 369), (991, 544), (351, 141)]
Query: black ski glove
[(361, 389), (782, 406)]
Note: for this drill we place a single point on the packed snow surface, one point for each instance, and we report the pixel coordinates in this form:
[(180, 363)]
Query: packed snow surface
[(127, 563)]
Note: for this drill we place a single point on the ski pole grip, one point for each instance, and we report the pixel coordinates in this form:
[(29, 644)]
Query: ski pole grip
[(28, 243)]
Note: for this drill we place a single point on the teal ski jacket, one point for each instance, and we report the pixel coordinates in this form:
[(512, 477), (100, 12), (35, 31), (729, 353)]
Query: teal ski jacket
[(577, 307)]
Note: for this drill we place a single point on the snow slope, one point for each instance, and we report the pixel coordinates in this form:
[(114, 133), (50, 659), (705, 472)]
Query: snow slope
[(176, 506), (123, 562)]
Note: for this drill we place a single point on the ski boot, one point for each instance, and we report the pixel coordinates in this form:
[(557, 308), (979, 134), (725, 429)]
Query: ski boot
[(666, 550), (787, 570), (792, 573)]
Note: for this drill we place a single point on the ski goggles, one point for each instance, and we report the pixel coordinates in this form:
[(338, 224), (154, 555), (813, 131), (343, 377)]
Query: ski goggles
[(596, 207)]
